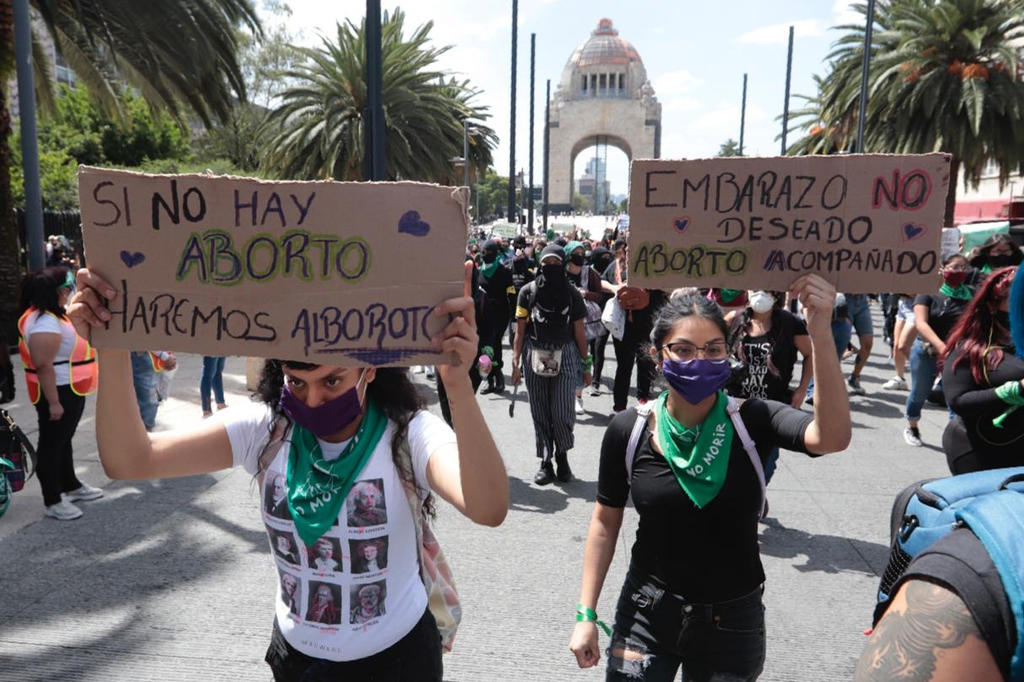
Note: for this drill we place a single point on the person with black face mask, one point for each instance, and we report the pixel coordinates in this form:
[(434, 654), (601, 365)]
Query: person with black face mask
[(496, 283), (524, 270), (693, 465), (982, 380), (934, 317), (552, 345), (998, 251), (600, 259)]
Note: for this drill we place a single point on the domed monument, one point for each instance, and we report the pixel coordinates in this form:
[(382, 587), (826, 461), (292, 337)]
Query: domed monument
[(604, 98)]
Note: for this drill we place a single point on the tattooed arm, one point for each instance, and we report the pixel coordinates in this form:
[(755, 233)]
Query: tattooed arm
[(926, 634)]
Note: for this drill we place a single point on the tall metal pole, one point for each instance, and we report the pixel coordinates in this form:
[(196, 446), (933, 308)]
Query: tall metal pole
[(374, 135), (547, 150), (862, 111), (743, 113), (533, 64), (512, 123), (785, 104), (29, 145)]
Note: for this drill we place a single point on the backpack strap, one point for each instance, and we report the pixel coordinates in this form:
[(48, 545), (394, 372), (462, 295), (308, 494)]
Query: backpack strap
[(733, 408), (639, 426), (998, 521)]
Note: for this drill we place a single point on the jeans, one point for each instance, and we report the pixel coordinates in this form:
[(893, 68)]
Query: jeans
[(213, 376), (842, 330), (56, 468), (922, 376), (711, 642), (144, 378), (414, 658)]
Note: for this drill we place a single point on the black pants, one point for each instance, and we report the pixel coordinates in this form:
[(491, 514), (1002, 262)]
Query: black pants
[(711, 642), (414, 658), (56, 467), (597, 348), (632, 349)]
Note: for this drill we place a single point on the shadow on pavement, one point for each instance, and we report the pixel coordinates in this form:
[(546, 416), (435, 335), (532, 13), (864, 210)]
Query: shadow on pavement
[(524, 496), (826, 553)]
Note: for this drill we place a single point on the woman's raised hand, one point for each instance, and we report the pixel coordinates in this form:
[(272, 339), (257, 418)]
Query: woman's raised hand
[(87, 309)]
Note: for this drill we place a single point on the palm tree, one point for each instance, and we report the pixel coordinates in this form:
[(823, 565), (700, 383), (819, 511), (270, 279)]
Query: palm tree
[(179, 54), (944, 76), (317, 131)]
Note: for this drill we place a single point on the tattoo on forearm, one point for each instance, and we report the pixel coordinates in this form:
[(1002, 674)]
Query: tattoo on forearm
[(905, 645)]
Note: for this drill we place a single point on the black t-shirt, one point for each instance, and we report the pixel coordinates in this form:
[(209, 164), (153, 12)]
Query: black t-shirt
[(943, 312), (557, 329), (970, 440), (523, 270), (708, 554), (770, 358), (496, 288), (961, 563)]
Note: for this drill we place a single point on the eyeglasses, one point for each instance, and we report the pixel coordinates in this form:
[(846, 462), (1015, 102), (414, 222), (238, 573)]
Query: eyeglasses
[(686, 351)]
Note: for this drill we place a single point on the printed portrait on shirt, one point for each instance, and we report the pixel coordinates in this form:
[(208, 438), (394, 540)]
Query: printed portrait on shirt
[(284, 545), (365, 504), (325, 555), (367, 602), (324, 603), (291, 591), (275, 496), (369, 556)]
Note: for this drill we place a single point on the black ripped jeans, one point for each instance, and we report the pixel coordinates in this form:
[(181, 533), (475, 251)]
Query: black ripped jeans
[(661, 632)]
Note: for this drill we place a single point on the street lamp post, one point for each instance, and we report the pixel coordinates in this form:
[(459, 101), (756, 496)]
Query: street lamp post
[(29, 145), (862, 111), (512, 123)]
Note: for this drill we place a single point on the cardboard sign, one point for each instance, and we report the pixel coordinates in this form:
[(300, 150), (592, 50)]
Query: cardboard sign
[(866, 223), (337, 273)]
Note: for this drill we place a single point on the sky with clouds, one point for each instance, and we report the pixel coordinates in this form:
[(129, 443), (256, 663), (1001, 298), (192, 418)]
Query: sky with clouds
[(695, 53)]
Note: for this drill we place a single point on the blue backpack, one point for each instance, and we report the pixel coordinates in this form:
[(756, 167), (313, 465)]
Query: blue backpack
[(991, 504)]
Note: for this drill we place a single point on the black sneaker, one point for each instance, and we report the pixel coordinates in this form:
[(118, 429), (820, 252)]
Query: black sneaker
[(853, 383), (564, 474), (545, 475)]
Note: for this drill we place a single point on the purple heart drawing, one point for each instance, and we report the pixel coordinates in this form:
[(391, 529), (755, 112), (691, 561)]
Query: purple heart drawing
[(410, 223), (132, 259), (681, 223), (912, 231)]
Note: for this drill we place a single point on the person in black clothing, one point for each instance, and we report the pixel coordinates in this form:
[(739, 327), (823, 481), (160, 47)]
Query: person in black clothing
[(552, 345), (948, 619), (524, 270), (998, 251), (496, 283), (696, 489), (588, 282), (982, 380), (934, 317), (600, 259)]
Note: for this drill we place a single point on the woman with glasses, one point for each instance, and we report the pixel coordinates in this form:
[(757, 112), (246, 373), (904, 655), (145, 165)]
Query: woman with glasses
[(934, 317), (694, 467)]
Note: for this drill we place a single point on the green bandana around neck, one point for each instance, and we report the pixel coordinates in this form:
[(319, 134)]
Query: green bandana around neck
[(489, 269), (317, 488), (699, 457), (729, 295), (962, 292)]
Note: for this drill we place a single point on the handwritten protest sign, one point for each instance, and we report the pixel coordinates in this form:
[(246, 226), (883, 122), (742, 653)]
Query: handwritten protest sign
[(867, 223), (329, 272)]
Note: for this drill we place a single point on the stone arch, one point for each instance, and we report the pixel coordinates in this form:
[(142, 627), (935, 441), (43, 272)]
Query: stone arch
[(616, 141)]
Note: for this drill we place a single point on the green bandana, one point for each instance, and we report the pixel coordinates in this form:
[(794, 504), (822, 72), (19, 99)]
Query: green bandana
[(986, 269), (729, 295), (698, 457), (489, 270), (962, 292), (317, 488)]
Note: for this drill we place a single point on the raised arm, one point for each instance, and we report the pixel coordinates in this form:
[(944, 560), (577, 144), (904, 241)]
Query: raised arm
[(126, 450)]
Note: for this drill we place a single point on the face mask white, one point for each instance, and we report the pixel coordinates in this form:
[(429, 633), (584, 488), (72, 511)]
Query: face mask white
[(761, 301)]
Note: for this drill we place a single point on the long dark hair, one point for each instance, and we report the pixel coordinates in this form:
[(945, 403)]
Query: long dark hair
[(980, 255), (40, 290), (393, 391), (977, 327), (688, 305)]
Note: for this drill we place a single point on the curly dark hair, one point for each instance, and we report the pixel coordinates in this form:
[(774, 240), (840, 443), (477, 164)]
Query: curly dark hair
[(393, 391)]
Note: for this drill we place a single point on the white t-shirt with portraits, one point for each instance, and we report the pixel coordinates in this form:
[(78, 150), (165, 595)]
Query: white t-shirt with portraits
[(357, 591)]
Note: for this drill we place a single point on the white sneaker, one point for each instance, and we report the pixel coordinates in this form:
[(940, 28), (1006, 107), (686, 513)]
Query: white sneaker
[(912, 436), (86, 493), (579, 406), (896, 384), (63, 511), (430, 372)]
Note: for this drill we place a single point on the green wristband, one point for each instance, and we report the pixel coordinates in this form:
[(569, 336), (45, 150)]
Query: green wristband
[(585, 615), (1009, 393)]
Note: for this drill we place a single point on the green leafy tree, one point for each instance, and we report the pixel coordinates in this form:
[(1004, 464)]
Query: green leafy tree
[(944, 76), (729, 148), (493, 193), (317, 131)]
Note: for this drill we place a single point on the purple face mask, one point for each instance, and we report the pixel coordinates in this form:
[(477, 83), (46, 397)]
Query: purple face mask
[(697, 379), (330, 417)]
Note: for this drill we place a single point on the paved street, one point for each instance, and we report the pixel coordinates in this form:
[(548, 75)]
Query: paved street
[(170, 580)]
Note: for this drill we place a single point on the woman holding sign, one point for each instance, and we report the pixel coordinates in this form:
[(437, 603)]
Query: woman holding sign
[(694, 467), (332, 431)]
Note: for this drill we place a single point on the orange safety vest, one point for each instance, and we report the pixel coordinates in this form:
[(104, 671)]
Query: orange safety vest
[(84, 370)]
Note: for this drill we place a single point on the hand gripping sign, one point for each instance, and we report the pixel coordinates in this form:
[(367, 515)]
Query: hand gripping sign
[(867, 223), (338, 273)]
